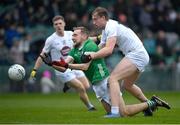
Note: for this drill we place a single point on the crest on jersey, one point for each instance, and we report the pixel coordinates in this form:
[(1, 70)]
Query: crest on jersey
[(65, 50)]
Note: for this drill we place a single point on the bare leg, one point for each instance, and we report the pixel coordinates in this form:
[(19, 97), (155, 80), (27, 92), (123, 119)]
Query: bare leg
[(136, 108), (134, 89), (122, 71), (126, 70), (77, 85), (85, 82)]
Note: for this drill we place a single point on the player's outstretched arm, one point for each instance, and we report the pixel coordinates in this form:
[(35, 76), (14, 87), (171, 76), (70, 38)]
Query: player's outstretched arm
[(106, 50), (82, 66), (62, 67), (59, 68), (38, 63)]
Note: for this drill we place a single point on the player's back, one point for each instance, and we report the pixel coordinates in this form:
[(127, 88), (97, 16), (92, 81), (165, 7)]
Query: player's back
[(127, 40)]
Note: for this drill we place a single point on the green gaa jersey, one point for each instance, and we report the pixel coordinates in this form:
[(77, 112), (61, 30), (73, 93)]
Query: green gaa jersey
[(97, 70)]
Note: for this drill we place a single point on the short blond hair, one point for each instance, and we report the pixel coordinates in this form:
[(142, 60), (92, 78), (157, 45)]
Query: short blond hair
[(58, 17), (100, 11), (83, 29)]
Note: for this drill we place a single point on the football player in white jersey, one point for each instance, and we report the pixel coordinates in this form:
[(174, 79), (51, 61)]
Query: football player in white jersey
[(58, 45), (129, 68)]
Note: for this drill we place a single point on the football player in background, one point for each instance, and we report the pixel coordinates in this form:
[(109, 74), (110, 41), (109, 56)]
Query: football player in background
[(57, 46)]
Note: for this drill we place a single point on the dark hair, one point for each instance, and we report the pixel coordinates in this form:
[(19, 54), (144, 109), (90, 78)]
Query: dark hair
[(83, 29), (58, 17), (100, 11)]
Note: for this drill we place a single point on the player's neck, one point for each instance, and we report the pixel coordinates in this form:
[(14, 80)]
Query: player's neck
[(60, 33), (78, 45)]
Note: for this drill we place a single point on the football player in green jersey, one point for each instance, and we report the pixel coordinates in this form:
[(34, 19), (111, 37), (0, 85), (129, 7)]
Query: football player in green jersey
[(96, 70), (97, 73)]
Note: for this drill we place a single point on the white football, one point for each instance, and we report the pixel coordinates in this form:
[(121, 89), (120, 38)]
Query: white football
[(16, 72)]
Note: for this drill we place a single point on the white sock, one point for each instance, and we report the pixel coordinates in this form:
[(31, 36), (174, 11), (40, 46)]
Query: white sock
[(90, 105), (115, 110)]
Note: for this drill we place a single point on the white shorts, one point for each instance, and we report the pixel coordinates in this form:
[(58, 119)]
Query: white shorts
[(69, 75), (139, 58), (101, 90)]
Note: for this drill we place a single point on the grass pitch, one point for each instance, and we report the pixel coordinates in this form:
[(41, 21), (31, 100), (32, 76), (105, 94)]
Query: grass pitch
[(66, 108)]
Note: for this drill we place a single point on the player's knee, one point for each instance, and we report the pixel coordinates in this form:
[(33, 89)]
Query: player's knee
[(86, 86), (124, 113), (81, 89), (127, 86), (112, 79)]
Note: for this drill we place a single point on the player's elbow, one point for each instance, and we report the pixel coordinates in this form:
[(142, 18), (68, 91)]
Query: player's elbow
[(109, 51)]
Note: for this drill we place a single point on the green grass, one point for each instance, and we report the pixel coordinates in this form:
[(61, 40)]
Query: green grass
[(68, 109)]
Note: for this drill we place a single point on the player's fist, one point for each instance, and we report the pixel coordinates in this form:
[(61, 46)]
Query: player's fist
[(61, 63), (86, 57)]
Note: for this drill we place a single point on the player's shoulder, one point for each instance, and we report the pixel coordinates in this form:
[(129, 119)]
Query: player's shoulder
[(51, 37), (90, 43), (111, 25), (114, 22), (68, 32)]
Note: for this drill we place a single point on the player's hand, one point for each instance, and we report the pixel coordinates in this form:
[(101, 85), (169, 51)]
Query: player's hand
[(46, 59), (32, 77), (33, 73), (86, 57), (98, 39), (61, 63)]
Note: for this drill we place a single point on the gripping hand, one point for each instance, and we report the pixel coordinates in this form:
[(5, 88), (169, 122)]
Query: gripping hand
[(61, 63), (85, 58)]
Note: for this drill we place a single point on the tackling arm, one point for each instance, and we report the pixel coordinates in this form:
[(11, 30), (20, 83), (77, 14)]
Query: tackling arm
[(106, 50), (101, 46)]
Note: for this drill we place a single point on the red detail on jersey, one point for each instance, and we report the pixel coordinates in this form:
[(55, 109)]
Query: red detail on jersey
[(64, 51)]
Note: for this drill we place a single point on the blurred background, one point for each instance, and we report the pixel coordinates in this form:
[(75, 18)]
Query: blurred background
[(25, 25)]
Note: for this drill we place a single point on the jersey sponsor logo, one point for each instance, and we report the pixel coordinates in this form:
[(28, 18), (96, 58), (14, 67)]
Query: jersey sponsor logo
[(65, 50)]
